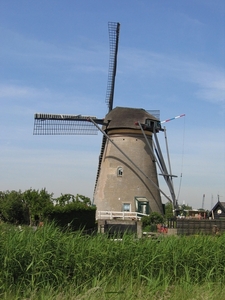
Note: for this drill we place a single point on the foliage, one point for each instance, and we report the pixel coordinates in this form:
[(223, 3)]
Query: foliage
[(66, 199), (37, 202), (185, 207), (50, 264), (169, 210), (153, 219), (33, 206), (12, 208), (74, 215)]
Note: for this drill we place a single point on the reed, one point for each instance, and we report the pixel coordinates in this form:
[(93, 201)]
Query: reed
[(51, 264)]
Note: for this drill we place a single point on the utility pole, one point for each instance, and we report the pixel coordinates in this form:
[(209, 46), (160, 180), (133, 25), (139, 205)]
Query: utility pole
[(218, 196), (212, 201), (203, 201)]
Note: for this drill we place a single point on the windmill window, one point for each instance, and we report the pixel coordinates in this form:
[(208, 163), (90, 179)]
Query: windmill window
[(126, 206), (149, 122), (120, 171)]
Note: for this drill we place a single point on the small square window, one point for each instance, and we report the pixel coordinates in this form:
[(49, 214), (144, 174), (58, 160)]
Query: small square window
[(126, 206)]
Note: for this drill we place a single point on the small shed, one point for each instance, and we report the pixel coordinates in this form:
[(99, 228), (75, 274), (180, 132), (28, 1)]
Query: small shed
[(218, 211)]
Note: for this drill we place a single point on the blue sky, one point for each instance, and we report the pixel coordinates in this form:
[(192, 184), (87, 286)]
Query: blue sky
[(54, 59)]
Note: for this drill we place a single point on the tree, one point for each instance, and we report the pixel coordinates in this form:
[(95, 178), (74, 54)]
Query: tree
[(65, 199), (33, 206), (169, 210), (83, 199), (12, 208), (36, 203), (185, 207)]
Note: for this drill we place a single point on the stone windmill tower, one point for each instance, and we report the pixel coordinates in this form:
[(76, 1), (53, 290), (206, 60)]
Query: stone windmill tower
[(126, 177)]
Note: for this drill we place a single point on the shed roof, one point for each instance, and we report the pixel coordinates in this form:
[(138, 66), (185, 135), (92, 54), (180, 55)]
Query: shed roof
[(219, 204)]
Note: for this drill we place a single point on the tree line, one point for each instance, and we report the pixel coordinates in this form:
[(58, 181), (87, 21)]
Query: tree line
[(32, 206)]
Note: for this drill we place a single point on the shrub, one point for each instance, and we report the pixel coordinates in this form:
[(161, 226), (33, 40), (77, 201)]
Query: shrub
[(153, 219)]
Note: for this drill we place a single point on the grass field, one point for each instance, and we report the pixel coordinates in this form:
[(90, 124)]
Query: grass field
[(49, 264)]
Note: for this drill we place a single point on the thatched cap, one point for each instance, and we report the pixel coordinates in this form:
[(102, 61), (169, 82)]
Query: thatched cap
[(126, 117)]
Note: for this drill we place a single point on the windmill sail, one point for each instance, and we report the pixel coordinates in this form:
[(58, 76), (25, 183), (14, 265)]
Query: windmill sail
[(54, 124), (114, 29)]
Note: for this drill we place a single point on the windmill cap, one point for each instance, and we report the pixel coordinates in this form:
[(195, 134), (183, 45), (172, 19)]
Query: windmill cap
[(126, 117)]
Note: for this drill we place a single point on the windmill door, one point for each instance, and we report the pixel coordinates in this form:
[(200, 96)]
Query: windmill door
[(142, 205)]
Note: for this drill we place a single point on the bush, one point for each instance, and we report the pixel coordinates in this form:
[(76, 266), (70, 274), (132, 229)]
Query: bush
[(151, 220), (75, 215)]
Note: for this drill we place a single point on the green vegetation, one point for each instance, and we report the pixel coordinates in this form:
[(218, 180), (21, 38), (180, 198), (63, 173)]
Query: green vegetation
[(49, 264), (169, 210), (149, 223), (34, 206)]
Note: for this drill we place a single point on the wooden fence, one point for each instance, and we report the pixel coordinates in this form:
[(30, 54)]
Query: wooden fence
[(195, 226)]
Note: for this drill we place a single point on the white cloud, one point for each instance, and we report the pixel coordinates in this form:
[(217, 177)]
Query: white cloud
[(208, 80), (22, 92)]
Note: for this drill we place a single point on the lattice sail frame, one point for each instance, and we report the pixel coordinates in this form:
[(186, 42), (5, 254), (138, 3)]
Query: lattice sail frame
[(53, 124), (114, 29)]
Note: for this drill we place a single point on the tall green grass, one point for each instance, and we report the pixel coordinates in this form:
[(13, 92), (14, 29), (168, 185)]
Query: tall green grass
[(51, 264)]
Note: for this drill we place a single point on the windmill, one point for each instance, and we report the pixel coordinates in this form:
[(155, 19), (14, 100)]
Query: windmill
[(127, 170)]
